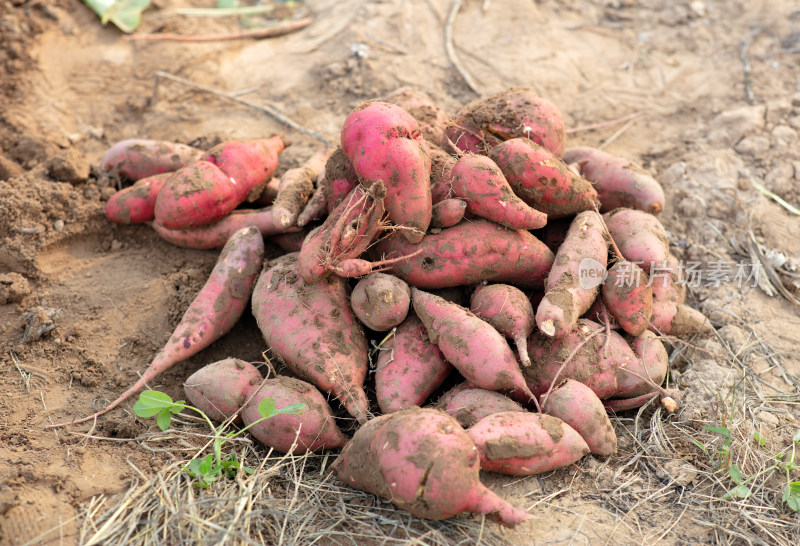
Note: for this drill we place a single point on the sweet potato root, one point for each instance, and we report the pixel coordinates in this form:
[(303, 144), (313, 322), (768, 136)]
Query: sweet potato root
[(647, 372), (220, 389), (640, 237), (524, 444), (507, 309), (136, 204), (295, 189), (250, 163), (471, 405), (380, 301), (579, 407), (409, 367), (311, 327), (678, 319), (448, 212), (619, 182), (628, 296), (467, 253), (214, 311), (139, 158), (423, 462)]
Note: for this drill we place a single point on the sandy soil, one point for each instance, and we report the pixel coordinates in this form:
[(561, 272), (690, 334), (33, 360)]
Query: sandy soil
[(715, 89)]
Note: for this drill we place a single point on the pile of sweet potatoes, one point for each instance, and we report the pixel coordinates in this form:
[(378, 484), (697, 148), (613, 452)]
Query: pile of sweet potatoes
[(432, 249)]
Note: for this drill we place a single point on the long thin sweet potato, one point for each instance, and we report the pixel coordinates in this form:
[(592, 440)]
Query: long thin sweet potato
[(214, 311), (139, 158), (311, 327)]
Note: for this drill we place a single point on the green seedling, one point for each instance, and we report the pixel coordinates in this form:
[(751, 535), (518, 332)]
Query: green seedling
[(208, 469)]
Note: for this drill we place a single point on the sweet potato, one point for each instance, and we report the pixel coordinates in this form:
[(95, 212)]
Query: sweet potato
[(619, 182), (409, 367), (268, 192), (507, 309), (289, 242), (135, 204), (514, 113), (313, 429), (467, 253), (471, 345), (471, 405), (423, 462), (441, 173), (250, 163), (524, 444), (220, 389), (340, 178), (568, 292), (215, 235), (640, 237), (648, 370), (667, 281), (345, 234), (628, 296), (579, 407), (678, 319), (380, 301), (383, 142), (311, 327), (479, 181), (295, 189), (139, 158), (448, 212), (594, 361), (213, 312), (542, 180), (432, 121)]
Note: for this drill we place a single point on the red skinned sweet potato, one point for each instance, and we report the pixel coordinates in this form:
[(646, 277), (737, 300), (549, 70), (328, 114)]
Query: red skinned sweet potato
[(524, 444), (509, 310), (291, 241), (139, 158), (409, 367), (215, 235), (448, 212), (213, 312), (678, 319), (667, 281), (383, 142), (135, 204), (594, 361), (542, 180), (514, 113), (471, 345), (467, 253), (649, 369), (628, 296), (441, 173), (313, 429), (431, 119), (380, 301), (295, 189), (311, 327), (471, 405), (640, 237), (569, 293), (340, 178), (423, 462), (220, 389), (579, 407), (479, 181), (619, 182), (250, 163)]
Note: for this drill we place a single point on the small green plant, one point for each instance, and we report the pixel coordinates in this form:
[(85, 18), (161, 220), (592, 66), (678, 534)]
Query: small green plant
[(206, 470)]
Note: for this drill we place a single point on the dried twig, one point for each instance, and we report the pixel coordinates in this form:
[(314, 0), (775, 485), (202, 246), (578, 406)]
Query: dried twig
[(451, 52), (279, 29)]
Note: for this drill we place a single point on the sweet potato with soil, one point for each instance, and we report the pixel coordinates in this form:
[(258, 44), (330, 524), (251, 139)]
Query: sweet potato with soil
[(313, 429), (479, 181), (649, 368), (507, 309), (640, 237), (311, 327), (579, 407), (432, 121), (628, 296), (441, 173), (468, 253), (139, 158), (250, 163), (220, 389), (215, 235), (423, 462), (340, 178), (471, 405), (345, 234), (542, 180), (524, 444), (567, 295), (136, 204), (515, 113), (594, 360), (409, 367), (289, 242), (268, 192), (667, 281), (678, 319), (295, 189), (212, 313), (448, 212), (471, 345), (619, 182), (380, 301), (384, 143)]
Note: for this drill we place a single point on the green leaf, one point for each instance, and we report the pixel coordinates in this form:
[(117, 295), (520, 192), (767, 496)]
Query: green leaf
[(125, 14), (724, 431), (736, 474), (164, 419), (791, 496), (740, 491), (151, 403), (267, 407), (294, 409), (796, 437), (248, 470), (698, 444), (193, 469), (178, 407), (760, 439), (228, 4)]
